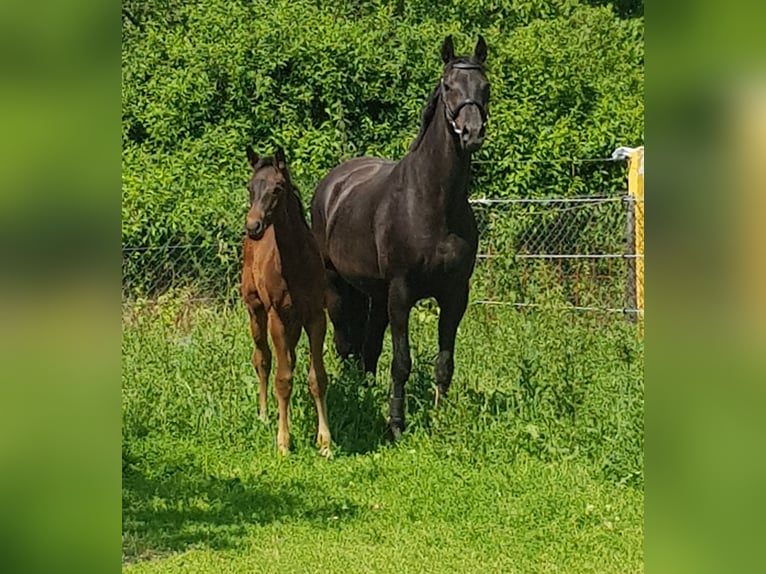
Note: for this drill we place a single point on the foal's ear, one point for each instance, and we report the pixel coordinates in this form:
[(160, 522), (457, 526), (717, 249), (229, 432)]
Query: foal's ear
[(252, 158), (480, 52), (279, 158), (448, 50)]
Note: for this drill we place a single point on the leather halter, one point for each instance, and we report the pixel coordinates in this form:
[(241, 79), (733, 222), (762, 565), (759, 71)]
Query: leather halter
[(451, 115)]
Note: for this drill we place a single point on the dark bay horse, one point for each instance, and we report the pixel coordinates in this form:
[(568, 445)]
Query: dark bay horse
[(392, 233), (283, 287)]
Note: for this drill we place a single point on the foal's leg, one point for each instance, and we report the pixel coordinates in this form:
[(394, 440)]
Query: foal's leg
[(376, 329), (318, 380), (452, 306), (399, 305), (261, 355), (284, 335)]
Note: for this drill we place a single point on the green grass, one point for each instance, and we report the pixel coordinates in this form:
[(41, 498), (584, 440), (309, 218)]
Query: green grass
[(534, 465)]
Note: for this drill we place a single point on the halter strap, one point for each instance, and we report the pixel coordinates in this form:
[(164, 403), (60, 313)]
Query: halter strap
[(450, 114), (467, 66)]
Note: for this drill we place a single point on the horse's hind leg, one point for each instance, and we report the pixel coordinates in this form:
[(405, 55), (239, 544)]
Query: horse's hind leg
[(452, 307), (347, 308), (318, 380), (376, 329), (261, 355), (284, 335)]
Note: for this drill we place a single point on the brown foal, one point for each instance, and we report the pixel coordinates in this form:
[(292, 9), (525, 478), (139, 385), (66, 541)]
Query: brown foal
[(283, 287)]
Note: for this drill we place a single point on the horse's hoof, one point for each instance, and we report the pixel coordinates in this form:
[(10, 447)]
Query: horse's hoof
[(325, 452), (440, 396), (395, 430)]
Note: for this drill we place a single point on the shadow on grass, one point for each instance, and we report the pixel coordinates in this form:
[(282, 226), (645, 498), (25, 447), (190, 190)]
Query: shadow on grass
[(176, 506)]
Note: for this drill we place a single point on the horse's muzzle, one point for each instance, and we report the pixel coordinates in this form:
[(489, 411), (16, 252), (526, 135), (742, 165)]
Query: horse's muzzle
[(255, 228), (471, 141)]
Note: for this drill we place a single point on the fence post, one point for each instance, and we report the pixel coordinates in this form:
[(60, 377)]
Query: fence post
[(636, 193), (630, 258), (634, 233)]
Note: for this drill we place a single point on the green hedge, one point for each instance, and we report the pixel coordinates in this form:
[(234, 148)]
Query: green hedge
[(332, 80)]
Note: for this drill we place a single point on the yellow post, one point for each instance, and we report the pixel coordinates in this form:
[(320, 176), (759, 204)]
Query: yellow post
[(636, 191)]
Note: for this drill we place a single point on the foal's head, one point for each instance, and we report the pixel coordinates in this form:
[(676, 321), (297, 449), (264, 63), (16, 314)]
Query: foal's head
[(465, 92), (268, 185)]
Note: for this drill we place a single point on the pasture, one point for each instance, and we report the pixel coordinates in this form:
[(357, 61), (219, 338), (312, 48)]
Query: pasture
[(534, 465), (535, 461)]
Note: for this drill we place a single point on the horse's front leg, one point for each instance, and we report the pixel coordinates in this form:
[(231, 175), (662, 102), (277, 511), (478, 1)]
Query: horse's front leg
[(261, 354), (284, 335), (399, 305), (452, 307)]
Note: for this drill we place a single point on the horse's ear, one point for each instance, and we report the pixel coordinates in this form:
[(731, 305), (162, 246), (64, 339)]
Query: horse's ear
[(448, 50), (480, 52), (279, 157), (252, 158)]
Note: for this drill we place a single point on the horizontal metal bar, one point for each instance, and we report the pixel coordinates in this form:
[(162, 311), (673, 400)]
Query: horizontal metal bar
[(581, 199), (552, 160), (169, 247), (560, 308), (565, 256), (488, 302)]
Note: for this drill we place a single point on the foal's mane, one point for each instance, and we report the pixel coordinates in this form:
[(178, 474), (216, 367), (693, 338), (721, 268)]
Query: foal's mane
[(293, 197), (430, 108)]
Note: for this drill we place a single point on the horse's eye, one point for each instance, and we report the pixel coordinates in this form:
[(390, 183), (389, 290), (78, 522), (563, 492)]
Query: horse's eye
[(447, 87)]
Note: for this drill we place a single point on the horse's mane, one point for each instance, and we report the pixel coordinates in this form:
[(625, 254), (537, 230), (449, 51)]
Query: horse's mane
[(298, 204), (427, 116), (433, 100)]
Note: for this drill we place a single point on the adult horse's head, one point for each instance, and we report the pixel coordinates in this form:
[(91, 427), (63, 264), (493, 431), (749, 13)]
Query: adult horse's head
[(268, 183), (465, 93)]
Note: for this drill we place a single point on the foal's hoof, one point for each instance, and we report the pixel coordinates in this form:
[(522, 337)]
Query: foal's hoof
[(323, 442), (283, 446)]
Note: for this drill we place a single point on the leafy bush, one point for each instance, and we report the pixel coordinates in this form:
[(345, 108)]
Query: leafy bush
[(332, 80)]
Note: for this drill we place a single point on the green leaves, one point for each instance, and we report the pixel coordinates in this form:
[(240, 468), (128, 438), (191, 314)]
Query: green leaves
[(330, 81)]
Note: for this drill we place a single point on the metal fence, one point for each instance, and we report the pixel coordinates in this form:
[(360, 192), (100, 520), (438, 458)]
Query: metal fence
[(566, 251), (581, 253)]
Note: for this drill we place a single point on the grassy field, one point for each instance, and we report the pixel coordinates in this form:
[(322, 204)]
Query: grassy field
[(535, 464)]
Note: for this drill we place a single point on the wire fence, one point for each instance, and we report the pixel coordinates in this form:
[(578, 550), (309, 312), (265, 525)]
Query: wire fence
[(578, 253), (570, 252)]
